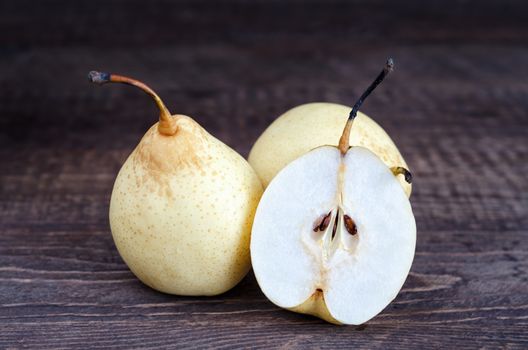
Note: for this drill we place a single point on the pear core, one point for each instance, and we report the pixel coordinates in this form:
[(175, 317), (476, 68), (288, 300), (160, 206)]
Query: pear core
[(181, 211), (333, 236), (308, 126)]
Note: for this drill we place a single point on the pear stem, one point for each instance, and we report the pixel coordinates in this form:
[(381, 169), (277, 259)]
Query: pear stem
[(166, 123), (344, 143), (398, 170)]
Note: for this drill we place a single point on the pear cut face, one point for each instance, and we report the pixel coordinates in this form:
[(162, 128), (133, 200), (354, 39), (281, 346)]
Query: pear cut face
[(337, 224)]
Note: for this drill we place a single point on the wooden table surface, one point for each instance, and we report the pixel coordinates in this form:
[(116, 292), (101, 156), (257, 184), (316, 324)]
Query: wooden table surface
[(456, 105)]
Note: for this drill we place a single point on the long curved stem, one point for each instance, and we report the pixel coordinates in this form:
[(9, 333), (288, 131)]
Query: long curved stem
[(344, 143), (166, 124)]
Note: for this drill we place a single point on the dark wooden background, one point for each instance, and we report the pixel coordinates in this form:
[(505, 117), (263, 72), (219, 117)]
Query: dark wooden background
[(456, 105)]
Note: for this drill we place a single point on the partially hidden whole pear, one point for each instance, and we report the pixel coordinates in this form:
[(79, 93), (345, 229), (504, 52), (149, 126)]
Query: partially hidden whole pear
[(311, 125), (334, 233), (182, 206)]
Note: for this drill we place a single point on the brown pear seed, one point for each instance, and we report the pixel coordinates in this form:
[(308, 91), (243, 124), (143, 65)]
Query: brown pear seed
[(324, 223), (350, 225)]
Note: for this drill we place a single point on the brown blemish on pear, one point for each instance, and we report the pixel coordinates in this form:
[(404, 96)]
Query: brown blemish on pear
[(187, 148), (189, 151)]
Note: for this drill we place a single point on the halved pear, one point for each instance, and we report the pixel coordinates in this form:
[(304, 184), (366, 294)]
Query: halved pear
[(334, 234)]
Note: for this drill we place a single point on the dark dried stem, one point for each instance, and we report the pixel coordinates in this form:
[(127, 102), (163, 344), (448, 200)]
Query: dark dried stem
[(344, 143), (398, 170)]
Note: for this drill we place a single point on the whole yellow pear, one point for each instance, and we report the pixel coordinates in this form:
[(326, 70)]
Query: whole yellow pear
[(182, 206), (308, 126)]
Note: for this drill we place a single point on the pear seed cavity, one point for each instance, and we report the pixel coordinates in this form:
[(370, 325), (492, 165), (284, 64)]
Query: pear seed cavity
[(334, 229)]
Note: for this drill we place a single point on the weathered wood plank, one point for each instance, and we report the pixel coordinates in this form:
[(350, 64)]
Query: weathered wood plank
[(457, 107)]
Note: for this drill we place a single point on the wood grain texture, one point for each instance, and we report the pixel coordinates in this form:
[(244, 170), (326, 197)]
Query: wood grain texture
[(456, 105)]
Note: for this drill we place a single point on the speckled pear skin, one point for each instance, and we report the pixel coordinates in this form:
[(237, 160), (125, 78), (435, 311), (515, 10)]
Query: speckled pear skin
[(181, 211), (305, 127), (316, 306)]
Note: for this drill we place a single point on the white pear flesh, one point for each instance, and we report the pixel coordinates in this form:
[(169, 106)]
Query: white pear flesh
[(308, 126), (348, 279), (181, 211)]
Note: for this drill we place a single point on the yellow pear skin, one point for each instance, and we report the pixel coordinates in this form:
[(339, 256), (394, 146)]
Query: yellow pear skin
[(182, 206), (316, 306), (181, 212), (308, 126)]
